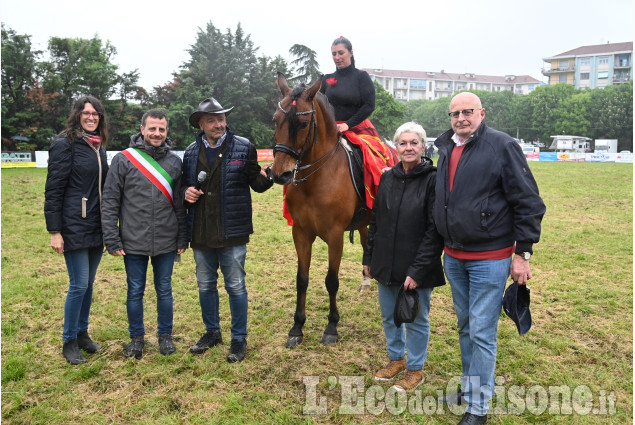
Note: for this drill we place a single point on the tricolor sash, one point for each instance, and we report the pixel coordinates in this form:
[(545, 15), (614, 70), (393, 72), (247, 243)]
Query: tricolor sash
[(152, 170)]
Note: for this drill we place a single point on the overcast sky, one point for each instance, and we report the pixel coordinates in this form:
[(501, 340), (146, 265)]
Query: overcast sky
[(490, 37)]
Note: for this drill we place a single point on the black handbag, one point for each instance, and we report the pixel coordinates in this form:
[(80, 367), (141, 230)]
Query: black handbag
[(406, 306)]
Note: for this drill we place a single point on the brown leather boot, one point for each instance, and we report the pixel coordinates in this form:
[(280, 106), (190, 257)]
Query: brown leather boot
[(392, 369), (411, 380)]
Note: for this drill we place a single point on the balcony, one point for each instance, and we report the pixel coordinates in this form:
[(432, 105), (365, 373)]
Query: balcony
[(558, 70), (621, 65), (621, 79)]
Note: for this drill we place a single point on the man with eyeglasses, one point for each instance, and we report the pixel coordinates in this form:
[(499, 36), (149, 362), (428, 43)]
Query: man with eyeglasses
[(487, 208)]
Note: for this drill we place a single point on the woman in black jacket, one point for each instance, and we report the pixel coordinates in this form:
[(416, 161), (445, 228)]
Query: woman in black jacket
[(404, 249), (77, 168)]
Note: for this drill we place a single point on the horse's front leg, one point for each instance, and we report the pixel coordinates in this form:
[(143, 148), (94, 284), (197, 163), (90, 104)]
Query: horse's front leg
[(303, 244), (363, 236), (332, 283)]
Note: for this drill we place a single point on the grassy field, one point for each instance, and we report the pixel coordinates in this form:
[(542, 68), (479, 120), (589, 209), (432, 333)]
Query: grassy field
[(573, 367)]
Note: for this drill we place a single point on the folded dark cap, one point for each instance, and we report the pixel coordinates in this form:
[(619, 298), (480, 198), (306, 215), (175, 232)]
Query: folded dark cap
[(516, 306)]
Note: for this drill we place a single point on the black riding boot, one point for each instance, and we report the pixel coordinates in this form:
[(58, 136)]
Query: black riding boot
[(72, 354)]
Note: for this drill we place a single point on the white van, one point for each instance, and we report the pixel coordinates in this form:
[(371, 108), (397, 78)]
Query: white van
[(529, 148)]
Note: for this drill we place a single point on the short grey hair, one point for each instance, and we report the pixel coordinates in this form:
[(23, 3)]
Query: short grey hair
[(410, 127)]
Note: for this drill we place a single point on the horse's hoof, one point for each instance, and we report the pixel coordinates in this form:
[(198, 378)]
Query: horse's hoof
[(293, 341), (329, 339)]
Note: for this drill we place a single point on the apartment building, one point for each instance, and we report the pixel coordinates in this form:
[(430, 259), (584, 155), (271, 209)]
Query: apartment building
[(592, 66), (412, 85)]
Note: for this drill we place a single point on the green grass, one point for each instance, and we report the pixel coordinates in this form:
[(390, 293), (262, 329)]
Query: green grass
[(582, 337)]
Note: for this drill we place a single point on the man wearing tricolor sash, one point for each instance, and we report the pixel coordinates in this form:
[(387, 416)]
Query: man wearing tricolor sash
[(143, 219)]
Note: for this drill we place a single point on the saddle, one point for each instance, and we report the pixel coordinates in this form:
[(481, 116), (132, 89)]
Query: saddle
[(356, 169)]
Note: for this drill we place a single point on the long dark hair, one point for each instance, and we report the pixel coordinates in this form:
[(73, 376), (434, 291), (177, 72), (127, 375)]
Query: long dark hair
[(347, 43), (74, 130)]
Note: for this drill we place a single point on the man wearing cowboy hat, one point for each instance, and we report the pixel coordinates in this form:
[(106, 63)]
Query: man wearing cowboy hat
[(219, 169)]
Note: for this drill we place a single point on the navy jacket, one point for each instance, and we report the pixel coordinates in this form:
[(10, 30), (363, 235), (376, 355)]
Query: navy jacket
[(494, 201), (227, 192)]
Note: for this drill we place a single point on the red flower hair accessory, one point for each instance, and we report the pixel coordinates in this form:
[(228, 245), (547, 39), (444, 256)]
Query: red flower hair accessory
[(331, 81)]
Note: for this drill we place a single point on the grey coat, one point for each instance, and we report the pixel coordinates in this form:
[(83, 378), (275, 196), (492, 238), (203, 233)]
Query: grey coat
[(136, 216)]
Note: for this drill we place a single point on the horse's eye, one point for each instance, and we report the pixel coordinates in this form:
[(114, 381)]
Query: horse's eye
[(304, 125)]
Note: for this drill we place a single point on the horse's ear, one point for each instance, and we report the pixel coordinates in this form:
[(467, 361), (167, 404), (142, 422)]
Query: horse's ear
[(315, 87), (282, 84)]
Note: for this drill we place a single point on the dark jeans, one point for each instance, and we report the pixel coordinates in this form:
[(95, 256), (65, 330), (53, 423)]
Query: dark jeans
[(136, 269)]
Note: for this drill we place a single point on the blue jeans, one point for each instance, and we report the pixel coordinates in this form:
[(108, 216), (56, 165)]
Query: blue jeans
[(232, 264), (136, 270), (82, 268), (477, 292), (413, 336)]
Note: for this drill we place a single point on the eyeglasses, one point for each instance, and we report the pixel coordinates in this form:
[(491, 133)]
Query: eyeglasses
[(87, 114), (466, 112)]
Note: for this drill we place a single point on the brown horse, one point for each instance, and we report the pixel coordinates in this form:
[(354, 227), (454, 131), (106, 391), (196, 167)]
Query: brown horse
[(320, 196)]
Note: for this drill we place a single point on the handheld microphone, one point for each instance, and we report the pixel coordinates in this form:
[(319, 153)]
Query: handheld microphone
[(200, 179)]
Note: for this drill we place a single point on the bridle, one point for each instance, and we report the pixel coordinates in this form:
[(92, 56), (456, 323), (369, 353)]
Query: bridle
[(310, 137)]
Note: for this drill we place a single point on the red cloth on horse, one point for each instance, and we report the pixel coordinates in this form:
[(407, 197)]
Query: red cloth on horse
[(377, 156)]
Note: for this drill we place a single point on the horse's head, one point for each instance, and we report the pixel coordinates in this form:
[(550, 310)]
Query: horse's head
[(295, 121)]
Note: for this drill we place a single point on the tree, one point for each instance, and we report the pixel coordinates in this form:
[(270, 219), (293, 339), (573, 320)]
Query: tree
[(574, 115), (545, 101), (306, 64), (79, 67), (498, 109), (611, 110), (389, 113), (433, 116), (225, 66), (20, 68), (520, 119)]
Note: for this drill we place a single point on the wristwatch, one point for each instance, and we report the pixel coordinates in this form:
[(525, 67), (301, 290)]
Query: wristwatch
[(525, 255)]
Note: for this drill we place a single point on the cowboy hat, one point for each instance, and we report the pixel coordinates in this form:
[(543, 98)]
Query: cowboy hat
[(208, 106), (516, 306)]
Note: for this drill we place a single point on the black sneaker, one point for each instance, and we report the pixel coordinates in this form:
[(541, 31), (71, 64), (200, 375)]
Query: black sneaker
[(166, 346), (237, 351), (135, 348), (210, 339)]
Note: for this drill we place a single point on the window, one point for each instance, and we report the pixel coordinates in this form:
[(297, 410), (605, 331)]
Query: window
[(604, 74), (585, 61), (603, 60), (563, 65), (563, 78), (584, 75), (418, 84)]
